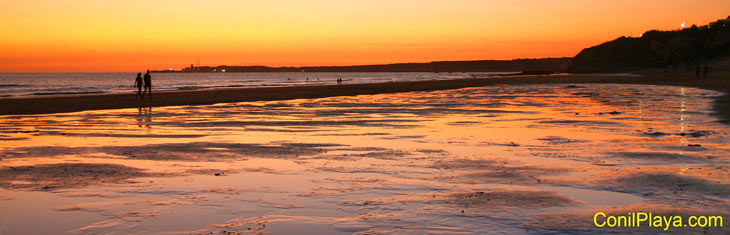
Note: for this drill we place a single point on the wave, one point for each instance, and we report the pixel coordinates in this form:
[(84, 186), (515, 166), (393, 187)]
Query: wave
[(248, 81), (187, 88), (68, 93), (12, 85)]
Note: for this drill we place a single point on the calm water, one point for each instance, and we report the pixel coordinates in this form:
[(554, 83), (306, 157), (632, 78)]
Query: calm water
[(19, 85), (510, 159)]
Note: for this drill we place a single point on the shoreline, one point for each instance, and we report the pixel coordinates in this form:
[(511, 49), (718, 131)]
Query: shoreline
[(719, 81)]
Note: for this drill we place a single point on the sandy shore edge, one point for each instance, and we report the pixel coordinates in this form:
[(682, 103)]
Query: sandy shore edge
[(60, 104)]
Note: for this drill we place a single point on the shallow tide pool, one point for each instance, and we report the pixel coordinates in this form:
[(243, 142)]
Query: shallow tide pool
[(511, 159)]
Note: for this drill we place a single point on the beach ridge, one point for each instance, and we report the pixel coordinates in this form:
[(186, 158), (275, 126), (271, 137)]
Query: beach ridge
[(61, 104)]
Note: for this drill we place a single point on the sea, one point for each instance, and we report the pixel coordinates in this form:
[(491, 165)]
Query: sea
[(13, 85)]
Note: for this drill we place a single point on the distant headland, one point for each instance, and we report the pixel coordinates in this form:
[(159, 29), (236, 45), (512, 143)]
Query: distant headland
[(654, 49), (516, 65)]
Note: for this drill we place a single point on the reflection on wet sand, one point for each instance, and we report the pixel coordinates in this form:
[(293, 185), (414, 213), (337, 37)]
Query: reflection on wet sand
[(67, 175), (144, 116), (518, 159)]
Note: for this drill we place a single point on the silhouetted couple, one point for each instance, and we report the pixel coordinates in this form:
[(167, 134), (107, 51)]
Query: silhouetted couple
[(146, 82), (705, 69)]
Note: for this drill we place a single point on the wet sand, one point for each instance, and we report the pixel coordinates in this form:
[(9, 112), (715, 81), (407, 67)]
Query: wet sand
[(516, 159), (719, 81)]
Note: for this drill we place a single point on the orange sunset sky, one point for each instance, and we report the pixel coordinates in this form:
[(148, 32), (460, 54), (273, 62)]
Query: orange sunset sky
[(126, 36)]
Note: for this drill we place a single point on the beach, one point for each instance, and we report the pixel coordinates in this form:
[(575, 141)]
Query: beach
[(520, 154), (42, 105), (364, 117)]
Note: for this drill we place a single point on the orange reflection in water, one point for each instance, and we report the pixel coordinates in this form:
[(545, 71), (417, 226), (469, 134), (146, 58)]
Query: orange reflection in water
[(368, 163)]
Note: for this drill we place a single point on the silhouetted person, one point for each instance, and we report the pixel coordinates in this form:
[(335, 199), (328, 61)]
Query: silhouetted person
[(138, 82), (705, 70), (147, 84), (697, 71)]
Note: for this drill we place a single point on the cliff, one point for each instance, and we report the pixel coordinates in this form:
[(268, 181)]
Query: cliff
[(657, 49)]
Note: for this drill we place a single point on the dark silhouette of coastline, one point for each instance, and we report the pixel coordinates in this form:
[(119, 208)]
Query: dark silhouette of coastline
[(516, 65), (684, 48), (654, 49)]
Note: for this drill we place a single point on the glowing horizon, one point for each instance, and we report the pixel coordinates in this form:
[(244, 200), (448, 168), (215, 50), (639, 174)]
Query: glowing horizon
[(101, 36)]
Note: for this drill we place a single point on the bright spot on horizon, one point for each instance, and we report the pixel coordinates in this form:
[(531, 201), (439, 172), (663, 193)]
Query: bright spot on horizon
[(682, 24)]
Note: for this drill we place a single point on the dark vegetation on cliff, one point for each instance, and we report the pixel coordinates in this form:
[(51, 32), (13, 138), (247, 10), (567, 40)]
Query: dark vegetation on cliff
[(658, 49)]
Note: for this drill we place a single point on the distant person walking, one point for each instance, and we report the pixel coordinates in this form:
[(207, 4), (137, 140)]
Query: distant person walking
[(697, 71), (138, 82), (147, 84)]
